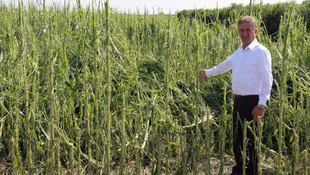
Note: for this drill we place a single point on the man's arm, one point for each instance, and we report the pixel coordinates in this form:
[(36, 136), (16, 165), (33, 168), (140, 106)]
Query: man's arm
[(264, 68), (219, 69)]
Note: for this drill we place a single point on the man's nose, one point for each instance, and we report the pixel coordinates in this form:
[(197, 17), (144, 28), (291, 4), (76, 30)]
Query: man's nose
[(244, 32)]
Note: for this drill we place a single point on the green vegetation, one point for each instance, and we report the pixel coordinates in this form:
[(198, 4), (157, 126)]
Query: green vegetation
[(270, 14), (92, 90)]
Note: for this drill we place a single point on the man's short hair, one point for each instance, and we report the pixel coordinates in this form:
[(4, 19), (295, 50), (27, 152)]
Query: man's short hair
[(248, 19)]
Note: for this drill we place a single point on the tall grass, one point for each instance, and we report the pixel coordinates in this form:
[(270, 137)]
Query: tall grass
[(282, 91), (90, 90), (108, 157), (123, 133)]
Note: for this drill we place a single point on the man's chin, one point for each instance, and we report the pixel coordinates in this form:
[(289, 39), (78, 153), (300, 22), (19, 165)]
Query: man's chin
[(247, 42)]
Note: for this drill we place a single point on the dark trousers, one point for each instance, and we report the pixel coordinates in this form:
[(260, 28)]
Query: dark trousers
[(242, 111)]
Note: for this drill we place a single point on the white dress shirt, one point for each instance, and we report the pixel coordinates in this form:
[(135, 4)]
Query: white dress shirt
[(251, 71)]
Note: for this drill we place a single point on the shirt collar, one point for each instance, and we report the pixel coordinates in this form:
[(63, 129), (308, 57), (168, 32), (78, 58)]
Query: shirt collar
[(250, 46)]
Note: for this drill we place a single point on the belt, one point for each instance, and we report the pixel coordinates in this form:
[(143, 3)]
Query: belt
[(246, 96)]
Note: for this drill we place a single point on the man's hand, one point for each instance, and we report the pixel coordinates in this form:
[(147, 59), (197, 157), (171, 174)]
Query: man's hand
[(202, 75), (258, 111)]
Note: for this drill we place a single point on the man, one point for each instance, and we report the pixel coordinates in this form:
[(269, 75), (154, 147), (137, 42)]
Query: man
[(251, 83)]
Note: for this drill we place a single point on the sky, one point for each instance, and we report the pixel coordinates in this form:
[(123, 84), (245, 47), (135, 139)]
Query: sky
[(166, 6)]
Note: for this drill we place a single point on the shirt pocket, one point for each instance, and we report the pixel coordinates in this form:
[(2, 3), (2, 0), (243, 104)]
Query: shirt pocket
[(249, 64)]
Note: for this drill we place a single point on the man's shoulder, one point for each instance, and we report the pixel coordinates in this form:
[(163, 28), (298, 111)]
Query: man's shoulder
[(260, 47)]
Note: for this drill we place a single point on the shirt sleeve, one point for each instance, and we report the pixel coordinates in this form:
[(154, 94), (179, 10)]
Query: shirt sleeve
[(221, 68), (264, 66)]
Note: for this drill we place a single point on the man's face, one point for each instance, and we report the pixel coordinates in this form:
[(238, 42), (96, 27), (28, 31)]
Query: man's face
[(246, 33)]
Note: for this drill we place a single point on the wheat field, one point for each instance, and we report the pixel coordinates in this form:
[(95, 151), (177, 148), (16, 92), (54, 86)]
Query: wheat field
[(96, 91)]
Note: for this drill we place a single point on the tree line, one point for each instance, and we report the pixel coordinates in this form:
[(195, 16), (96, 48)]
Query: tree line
[(270, 14)]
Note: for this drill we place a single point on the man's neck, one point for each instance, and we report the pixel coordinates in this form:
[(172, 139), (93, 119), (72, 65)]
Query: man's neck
[(244, 46)]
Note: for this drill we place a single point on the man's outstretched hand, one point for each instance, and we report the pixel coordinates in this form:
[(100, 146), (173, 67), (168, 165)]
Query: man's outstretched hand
[(202, 75)]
